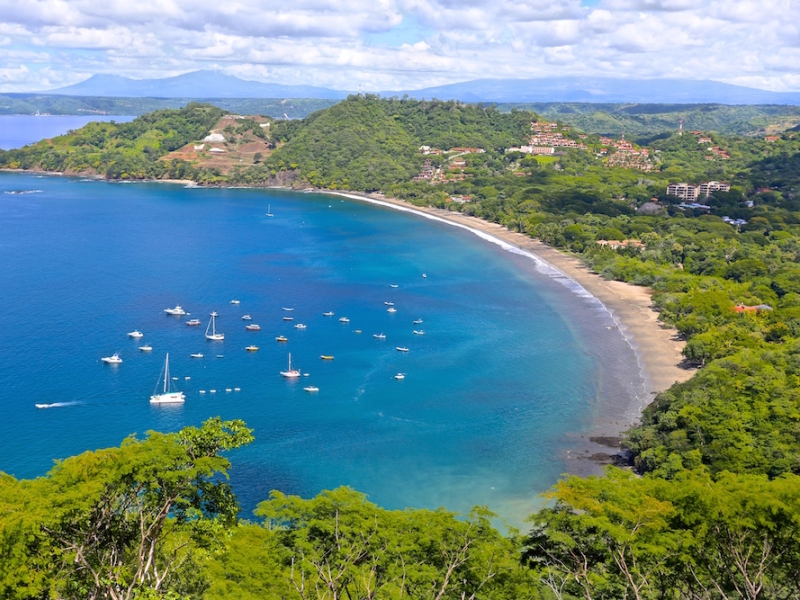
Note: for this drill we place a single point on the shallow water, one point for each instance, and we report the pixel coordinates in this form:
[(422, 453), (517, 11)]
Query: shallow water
[(513, 369)]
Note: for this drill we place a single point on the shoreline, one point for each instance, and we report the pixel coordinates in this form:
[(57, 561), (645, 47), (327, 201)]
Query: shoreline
[(656, 345)]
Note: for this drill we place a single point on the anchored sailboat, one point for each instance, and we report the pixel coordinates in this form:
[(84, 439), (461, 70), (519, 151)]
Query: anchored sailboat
[(167, 395), (290, 372), (212, 327)]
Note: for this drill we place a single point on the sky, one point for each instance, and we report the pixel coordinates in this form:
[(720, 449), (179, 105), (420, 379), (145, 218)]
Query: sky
[(400, 44)]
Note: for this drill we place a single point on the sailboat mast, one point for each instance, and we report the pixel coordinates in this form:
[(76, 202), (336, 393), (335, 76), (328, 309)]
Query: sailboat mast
[(166, 372)]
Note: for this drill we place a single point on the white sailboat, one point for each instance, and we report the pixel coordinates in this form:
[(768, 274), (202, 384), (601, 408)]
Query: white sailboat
[(290, 372), (167, 395), (212, 327), (269, 212)]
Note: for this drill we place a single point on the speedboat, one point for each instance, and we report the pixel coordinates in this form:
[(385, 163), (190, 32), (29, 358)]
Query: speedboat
[(401, 349), (281, 338), (253, 327), (177, 311), (288, 318), (418, 322), (146, 348), (252, 348), (419, 332), (379, 336), (328, 314), (393, 285), (114, 359), (193, 322), (311, 388), (197, 355), (387, 303), (300, 326), (247, 318), (136, 334), (344, 320), (391, 309), (326, 357), (287, 309), (400, 376), (234, 302), (290, 372), (168, 395)]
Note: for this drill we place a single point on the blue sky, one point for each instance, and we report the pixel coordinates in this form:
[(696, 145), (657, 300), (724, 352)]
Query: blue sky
[(400, 44)]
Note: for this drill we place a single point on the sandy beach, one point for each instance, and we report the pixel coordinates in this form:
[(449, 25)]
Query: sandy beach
[(657, 346)]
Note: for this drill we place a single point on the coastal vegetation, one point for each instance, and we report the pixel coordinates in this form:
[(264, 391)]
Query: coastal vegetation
[(708, 506)]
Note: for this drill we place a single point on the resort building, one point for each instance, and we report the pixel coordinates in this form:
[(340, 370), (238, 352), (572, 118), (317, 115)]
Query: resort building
[(708, 187), (684, 191)]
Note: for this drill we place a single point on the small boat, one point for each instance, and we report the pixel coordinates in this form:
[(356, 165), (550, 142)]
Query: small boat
[(167, 395), (253, 327), (288, 309), (424, 276), (237, 389), (146, 348), (187, 378), (290, 372), (234, 302), (114, 359), (247, 318), (401, 349), (202, 391), (177, 311), (281, 338), (328, 314), (175, 379), (391, 309), (418, 322), (393, 285), (288, 318), (379, 336), (193, 322), (252, 348), (419, 332), (344, 320), (300, 326), (212, 391), (387, 303), (136, 334), (326, 357), (400, 376), (269, 212), (197, 355), (220, 356), (228, 390), (311, 388), (356, 331), (212, 327)]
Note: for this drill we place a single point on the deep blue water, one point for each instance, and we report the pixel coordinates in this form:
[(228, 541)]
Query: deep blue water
[(513, 369), (18, 130)]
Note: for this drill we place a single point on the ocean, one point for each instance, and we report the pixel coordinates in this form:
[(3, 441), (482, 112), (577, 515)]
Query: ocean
[(516, 367), (19, 130)]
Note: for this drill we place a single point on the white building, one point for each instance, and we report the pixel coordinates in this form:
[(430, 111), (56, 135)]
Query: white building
[(684, 191)]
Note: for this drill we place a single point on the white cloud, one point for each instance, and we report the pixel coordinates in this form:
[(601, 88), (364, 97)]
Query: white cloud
[(326, 42)]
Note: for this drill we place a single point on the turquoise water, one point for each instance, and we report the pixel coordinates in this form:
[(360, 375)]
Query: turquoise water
[(513, 368)]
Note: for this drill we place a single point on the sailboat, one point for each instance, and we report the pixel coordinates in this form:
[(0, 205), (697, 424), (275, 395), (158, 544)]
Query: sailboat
[(167, 395), (290, 372), (212, 326), (269, 212)]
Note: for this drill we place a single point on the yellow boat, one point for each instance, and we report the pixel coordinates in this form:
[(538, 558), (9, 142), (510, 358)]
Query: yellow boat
[(326, 357), (252, 348), (282, 338)]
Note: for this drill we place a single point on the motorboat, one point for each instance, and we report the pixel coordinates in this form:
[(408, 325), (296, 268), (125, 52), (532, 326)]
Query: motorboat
[(114, 359), (300, 326), (387, 303), (247, 318), (328, 314), (393, 285), (281, 338), (135, 334), (288, 318), (311, 388), (252, 348), (168, 395), (400, 376), (234, 302), (379, 336), (424, 276), (419, 332), (211, 329), (326, 356), (418, 322), (193, 322), (344, 320), (356, 331), (146, 348), (391, 309), (288, 309), (177, 311), (290, 372), (197, 355), (401, 349), (253, 327)]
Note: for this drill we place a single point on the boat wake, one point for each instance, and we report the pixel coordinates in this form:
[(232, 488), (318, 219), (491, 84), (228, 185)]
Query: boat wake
[(56, 405)]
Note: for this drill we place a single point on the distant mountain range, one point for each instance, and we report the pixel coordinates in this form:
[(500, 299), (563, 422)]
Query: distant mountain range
[(211, 84)]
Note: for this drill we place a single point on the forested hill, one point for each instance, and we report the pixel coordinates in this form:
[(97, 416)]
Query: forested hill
[(364, 143)]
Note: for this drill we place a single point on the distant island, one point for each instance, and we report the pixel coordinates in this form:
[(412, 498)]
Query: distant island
[(707, 503)]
